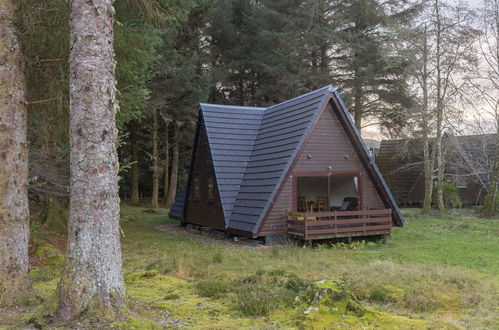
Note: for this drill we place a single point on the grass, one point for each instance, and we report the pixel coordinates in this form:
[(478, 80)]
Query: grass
[(438, 271)]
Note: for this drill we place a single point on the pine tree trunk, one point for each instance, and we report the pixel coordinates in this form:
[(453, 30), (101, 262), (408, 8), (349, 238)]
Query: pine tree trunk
[(440, 114), (92, 281), (357, 94), (167, 162), (135, 169), (358, 111), (14, 211), (155, 166), (175, 162)]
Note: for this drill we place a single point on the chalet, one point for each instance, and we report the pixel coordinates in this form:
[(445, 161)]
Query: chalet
[(469, 160), (297, 168)]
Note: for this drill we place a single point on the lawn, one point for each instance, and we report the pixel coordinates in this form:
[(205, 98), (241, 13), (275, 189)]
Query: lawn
[(439, 271)]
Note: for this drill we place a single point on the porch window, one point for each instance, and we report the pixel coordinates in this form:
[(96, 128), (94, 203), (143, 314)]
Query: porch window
[(324, 193), (312, 193), (344, 193)]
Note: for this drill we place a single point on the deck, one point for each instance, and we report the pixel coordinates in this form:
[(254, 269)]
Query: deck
[(326, 225)]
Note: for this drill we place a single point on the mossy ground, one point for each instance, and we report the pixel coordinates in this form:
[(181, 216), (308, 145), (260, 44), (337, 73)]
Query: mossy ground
[(437, 272)]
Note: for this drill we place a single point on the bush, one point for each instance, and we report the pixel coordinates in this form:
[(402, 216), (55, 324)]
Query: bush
[(451, 196), (489, 211), (213, 289), (379, 295), (296, 283), (260, 300)]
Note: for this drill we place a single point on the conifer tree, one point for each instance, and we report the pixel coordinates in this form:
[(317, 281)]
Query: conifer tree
[(14, 210), (92, 280), (371, 74)]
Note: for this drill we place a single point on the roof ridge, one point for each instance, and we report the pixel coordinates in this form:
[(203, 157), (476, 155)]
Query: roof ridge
[(231, 106), (330, 87)]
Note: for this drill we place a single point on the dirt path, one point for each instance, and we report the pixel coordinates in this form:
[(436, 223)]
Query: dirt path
[(208, 238)]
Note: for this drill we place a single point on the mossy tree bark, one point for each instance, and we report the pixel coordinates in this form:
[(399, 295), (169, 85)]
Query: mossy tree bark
[(92, 282), (172, 188), (155, 165), (14, 211)]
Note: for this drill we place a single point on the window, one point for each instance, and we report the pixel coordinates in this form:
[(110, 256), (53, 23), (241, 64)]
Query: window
[(344, 193), (312, 193), (195, 188), (211, 188), (324, 193)]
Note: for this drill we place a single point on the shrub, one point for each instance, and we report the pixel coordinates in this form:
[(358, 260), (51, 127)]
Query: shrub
[(213, 288), (260, 300), (296, 283), (489, 211), (451, 195), (379, 295)]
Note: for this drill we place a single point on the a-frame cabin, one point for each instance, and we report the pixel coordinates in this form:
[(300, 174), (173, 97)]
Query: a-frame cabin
[(297, 168)]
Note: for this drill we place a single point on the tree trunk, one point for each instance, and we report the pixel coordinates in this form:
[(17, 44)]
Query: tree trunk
[(14, 211), (92, 282), (358, 111), (440, 113), (167, 161), (427, 157), (489, 207), (357, 91), (175, 160), (135, 169), (155, 166)]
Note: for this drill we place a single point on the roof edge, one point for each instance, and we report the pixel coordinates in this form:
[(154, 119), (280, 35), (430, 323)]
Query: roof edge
[(201, 105), (391, 199), (329, 87)]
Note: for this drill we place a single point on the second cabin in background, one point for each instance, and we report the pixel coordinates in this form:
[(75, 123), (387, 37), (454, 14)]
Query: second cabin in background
[(298, 168)]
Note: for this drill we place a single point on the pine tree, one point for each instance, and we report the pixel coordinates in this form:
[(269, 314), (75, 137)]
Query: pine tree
[(370, 73), (92, 281), (14, 210)]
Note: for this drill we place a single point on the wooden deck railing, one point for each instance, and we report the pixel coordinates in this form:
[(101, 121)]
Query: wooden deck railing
[(322, 225)]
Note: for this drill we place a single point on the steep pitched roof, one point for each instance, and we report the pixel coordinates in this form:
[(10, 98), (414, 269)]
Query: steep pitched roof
[(231, 134), (283, 129), (253, 149)]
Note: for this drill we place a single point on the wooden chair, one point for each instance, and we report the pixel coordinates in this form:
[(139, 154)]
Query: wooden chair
[(321, 203), (302, 204)]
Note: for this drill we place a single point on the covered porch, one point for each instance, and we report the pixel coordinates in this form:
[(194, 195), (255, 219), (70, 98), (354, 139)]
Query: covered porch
[(337, 224), (331, 205)]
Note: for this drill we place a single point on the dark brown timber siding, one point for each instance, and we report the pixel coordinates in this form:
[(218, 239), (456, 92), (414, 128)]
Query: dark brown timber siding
[(328, 145), (204, 212)]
